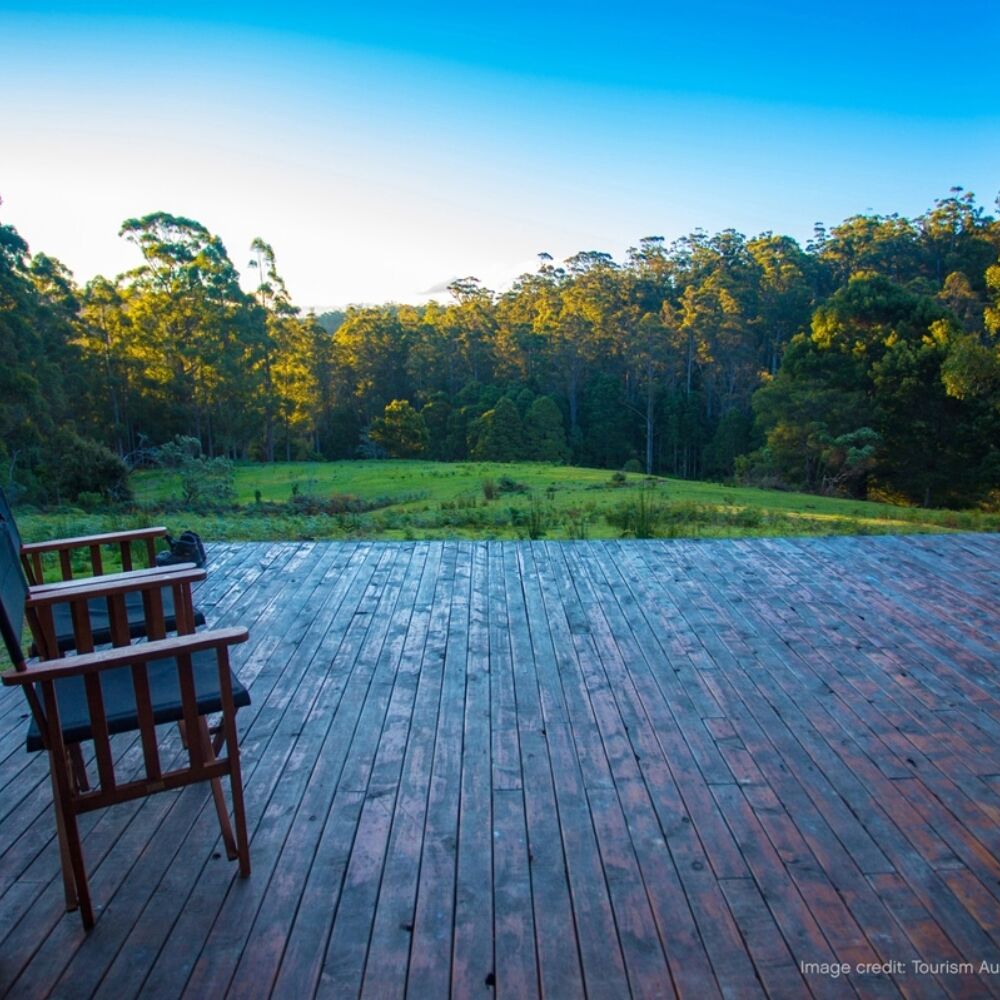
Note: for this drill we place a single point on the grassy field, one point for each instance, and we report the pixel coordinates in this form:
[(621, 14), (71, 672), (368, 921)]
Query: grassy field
[(393, 500)]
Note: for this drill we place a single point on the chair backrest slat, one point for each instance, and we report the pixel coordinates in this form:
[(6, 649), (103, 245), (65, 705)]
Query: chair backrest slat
[(66, 564), (183, 609), (147, 727), (96, 562), (99, 731), (118, 620), (82, 634), (152, 605), (189, 704)]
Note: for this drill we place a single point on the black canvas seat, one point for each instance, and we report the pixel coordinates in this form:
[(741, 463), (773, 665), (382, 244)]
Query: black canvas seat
[(100, 620), (119, 698)]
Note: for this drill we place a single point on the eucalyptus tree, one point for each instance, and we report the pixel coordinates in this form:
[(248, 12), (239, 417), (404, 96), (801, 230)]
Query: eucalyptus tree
[(30, 382), (195, 324), (371, 349), (957, 235), (878, 360), (432, 333), (886, 245), (586, 335), (473, 318), (785, 295), (282, 353), (105, 334), (527, 322)]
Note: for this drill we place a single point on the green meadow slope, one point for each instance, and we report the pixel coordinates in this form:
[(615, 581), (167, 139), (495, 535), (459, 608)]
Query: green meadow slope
[(393, 500)]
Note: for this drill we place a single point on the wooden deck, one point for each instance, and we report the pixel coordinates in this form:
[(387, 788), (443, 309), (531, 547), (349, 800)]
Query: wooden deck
[(572, 769)]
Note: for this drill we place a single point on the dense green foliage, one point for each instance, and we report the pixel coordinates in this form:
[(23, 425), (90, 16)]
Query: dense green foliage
[(865, 364)]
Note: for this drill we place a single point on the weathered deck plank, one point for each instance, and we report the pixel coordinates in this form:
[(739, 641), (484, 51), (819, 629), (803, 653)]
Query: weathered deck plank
[(559, 769)]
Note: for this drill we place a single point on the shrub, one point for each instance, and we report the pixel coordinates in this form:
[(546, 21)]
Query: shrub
[(639, 516), (90, 502), (489, 488), (79, 465), (208, 482), (537, 520), (758, 469), (174, 454), (508, 485), (632, 465), (576, 522)]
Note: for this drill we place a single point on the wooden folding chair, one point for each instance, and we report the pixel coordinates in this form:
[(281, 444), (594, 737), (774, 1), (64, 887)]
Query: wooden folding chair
[(60, 636), (129, 688), (31, 553)]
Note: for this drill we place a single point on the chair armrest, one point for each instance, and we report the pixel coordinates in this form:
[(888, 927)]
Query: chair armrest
[(111, 537), (121, 656), (109, 579), (91, 587)]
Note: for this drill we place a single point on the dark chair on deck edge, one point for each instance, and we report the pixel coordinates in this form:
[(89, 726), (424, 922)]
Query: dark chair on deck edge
[(61, 632), (128, 688)]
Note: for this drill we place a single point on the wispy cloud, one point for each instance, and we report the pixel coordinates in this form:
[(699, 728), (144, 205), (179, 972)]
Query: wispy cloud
[(438, 289)]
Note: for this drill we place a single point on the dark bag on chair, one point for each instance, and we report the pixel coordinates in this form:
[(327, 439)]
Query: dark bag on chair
[(186, 549)]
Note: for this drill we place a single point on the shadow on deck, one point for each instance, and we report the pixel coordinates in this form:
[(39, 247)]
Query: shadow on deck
[(608, 768)]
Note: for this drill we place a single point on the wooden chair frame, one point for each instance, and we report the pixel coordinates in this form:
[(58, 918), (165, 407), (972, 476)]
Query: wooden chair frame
[(31, 565), (32, 552), (41, 602), (40, 680)]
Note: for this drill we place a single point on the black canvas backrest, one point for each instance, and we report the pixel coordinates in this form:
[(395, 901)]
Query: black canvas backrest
[(13, 593), (8, 522)]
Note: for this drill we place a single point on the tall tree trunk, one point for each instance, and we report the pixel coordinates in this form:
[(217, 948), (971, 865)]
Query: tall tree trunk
[(571, 392), (650, 406), (268, 410)]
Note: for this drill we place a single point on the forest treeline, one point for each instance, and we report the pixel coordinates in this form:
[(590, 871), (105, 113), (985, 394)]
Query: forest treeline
[(865, 363)]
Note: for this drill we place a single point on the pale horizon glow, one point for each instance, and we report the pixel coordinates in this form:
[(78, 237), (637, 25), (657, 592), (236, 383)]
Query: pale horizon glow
[(380, 174)]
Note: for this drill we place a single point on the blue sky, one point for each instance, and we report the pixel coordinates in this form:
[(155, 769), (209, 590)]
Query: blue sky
[(386, 151)]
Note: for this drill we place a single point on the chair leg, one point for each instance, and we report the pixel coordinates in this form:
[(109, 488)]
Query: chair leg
[(217, 794), (239, 812), (70, 849), (69, 882), (228, 727), (79, 869)]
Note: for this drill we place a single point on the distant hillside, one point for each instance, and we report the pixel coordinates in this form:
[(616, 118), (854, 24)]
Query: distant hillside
[(331, 319)]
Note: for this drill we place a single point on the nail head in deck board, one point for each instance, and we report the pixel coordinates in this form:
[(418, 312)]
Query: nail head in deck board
[(580, 703)]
